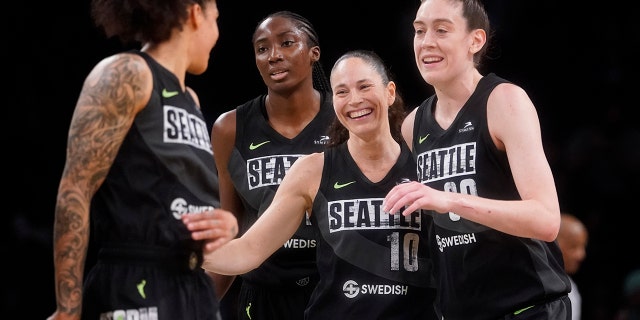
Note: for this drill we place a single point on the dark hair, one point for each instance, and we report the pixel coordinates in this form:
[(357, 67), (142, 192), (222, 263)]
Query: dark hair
[(141, 20), (473, 11), (338, 134), (320, 80)]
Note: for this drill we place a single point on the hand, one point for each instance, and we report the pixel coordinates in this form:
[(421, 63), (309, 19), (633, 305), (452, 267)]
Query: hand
[(216, 227), (414, 196)]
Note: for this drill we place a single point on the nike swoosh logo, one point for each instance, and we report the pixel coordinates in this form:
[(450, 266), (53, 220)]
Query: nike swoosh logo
[(422, 139), (141, 288), (338, 185), (256, 146), (168, 94)]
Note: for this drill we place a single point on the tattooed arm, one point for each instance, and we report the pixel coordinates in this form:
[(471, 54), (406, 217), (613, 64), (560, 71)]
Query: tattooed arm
[(113, 93)]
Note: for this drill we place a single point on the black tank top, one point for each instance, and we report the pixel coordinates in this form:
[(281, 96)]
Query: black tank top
[(260, 159), (372, 265), (484, 273), (164, 169)]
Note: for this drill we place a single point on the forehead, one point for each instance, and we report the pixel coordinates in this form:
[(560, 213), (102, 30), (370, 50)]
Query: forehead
[(353, 69), (276, 26), (439, 10)]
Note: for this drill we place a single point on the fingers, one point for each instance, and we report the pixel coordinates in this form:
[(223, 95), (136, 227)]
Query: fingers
[(215, 224), (393, 201), (401, 196)]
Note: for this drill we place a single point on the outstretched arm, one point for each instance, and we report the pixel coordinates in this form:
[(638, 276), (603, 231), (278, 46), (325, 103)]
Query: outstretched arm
[(276, 225)]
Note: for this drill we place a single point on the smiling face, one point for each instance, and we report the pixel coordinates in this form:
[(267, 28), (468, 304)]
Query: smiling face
[(282, 55), (442, 44), (360, 97)]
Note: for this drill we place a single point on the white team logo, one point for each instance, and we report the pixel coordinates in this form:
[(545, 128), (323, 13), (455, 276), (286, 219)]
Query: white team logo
[(179, 207), (350, 289)]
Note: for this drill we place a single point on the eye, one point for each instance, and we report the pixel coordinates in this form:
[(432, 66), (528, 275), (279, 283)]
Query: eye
[(288, 43), (261, 49)]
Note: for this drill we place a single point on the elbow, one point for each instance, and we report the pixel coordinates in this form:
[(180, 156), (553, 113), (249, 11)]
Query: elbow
[(549, 236), (550, 229)]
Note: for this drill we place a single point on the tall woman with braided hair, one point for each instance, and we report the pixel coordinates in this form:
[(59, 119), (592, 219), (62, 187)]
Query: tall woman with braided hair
[(254, 146)]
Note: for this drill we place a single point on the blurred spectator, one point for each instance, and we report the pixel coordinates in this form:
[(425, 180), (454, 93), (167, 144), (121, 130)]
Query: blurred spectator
[(630, 310), (572, 240)]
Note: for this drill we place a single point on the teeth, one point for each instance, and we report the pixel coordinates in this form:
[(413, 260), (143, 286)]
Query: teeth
[(432, 59), (359, 113)]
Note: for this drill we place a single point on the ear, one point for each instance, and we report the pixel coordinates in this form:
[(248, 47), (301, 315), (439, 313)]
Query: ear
[(391, 88), (195, 15), (478, 40), (315, 53)]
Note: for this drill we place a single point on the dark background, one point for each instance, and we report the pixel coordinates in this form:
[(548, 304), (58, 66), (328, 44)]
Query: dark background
[(579, 65)]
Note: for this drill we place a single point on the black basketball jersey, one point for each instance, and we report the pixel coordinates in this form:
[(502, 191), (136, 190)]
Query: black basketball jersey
[(260, 159), (164, 169), (484, 273), (372, 265)]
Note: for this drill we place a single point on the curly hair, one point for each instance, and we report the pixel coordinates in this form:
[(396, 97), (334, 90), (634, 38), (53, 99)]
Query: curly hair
[(141, 20)]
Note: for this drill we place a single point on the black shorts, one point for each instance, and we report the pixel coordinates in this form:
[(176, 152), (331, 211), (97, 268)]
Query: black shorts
[(148, 283), (256, 302), (558, 309)]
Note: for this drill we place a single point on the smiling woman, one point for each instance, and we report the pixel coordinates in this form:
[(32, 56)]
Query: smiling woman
[(483, 176), (340, 192)]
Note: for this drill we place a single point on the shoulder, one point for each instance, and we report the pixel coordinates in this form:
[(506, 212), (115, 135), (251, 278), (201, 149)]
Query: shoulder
[(508, 89), (305, 174), (313, 159), (508, 96), (511, 115), (310, 164), (123, 70), (225, 124), (125, 63), (194, 96)]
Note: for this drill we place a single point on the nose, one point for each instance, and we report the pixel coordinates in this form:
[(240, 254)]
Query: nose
[(426, 39), (275, 54), (355, 97)]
